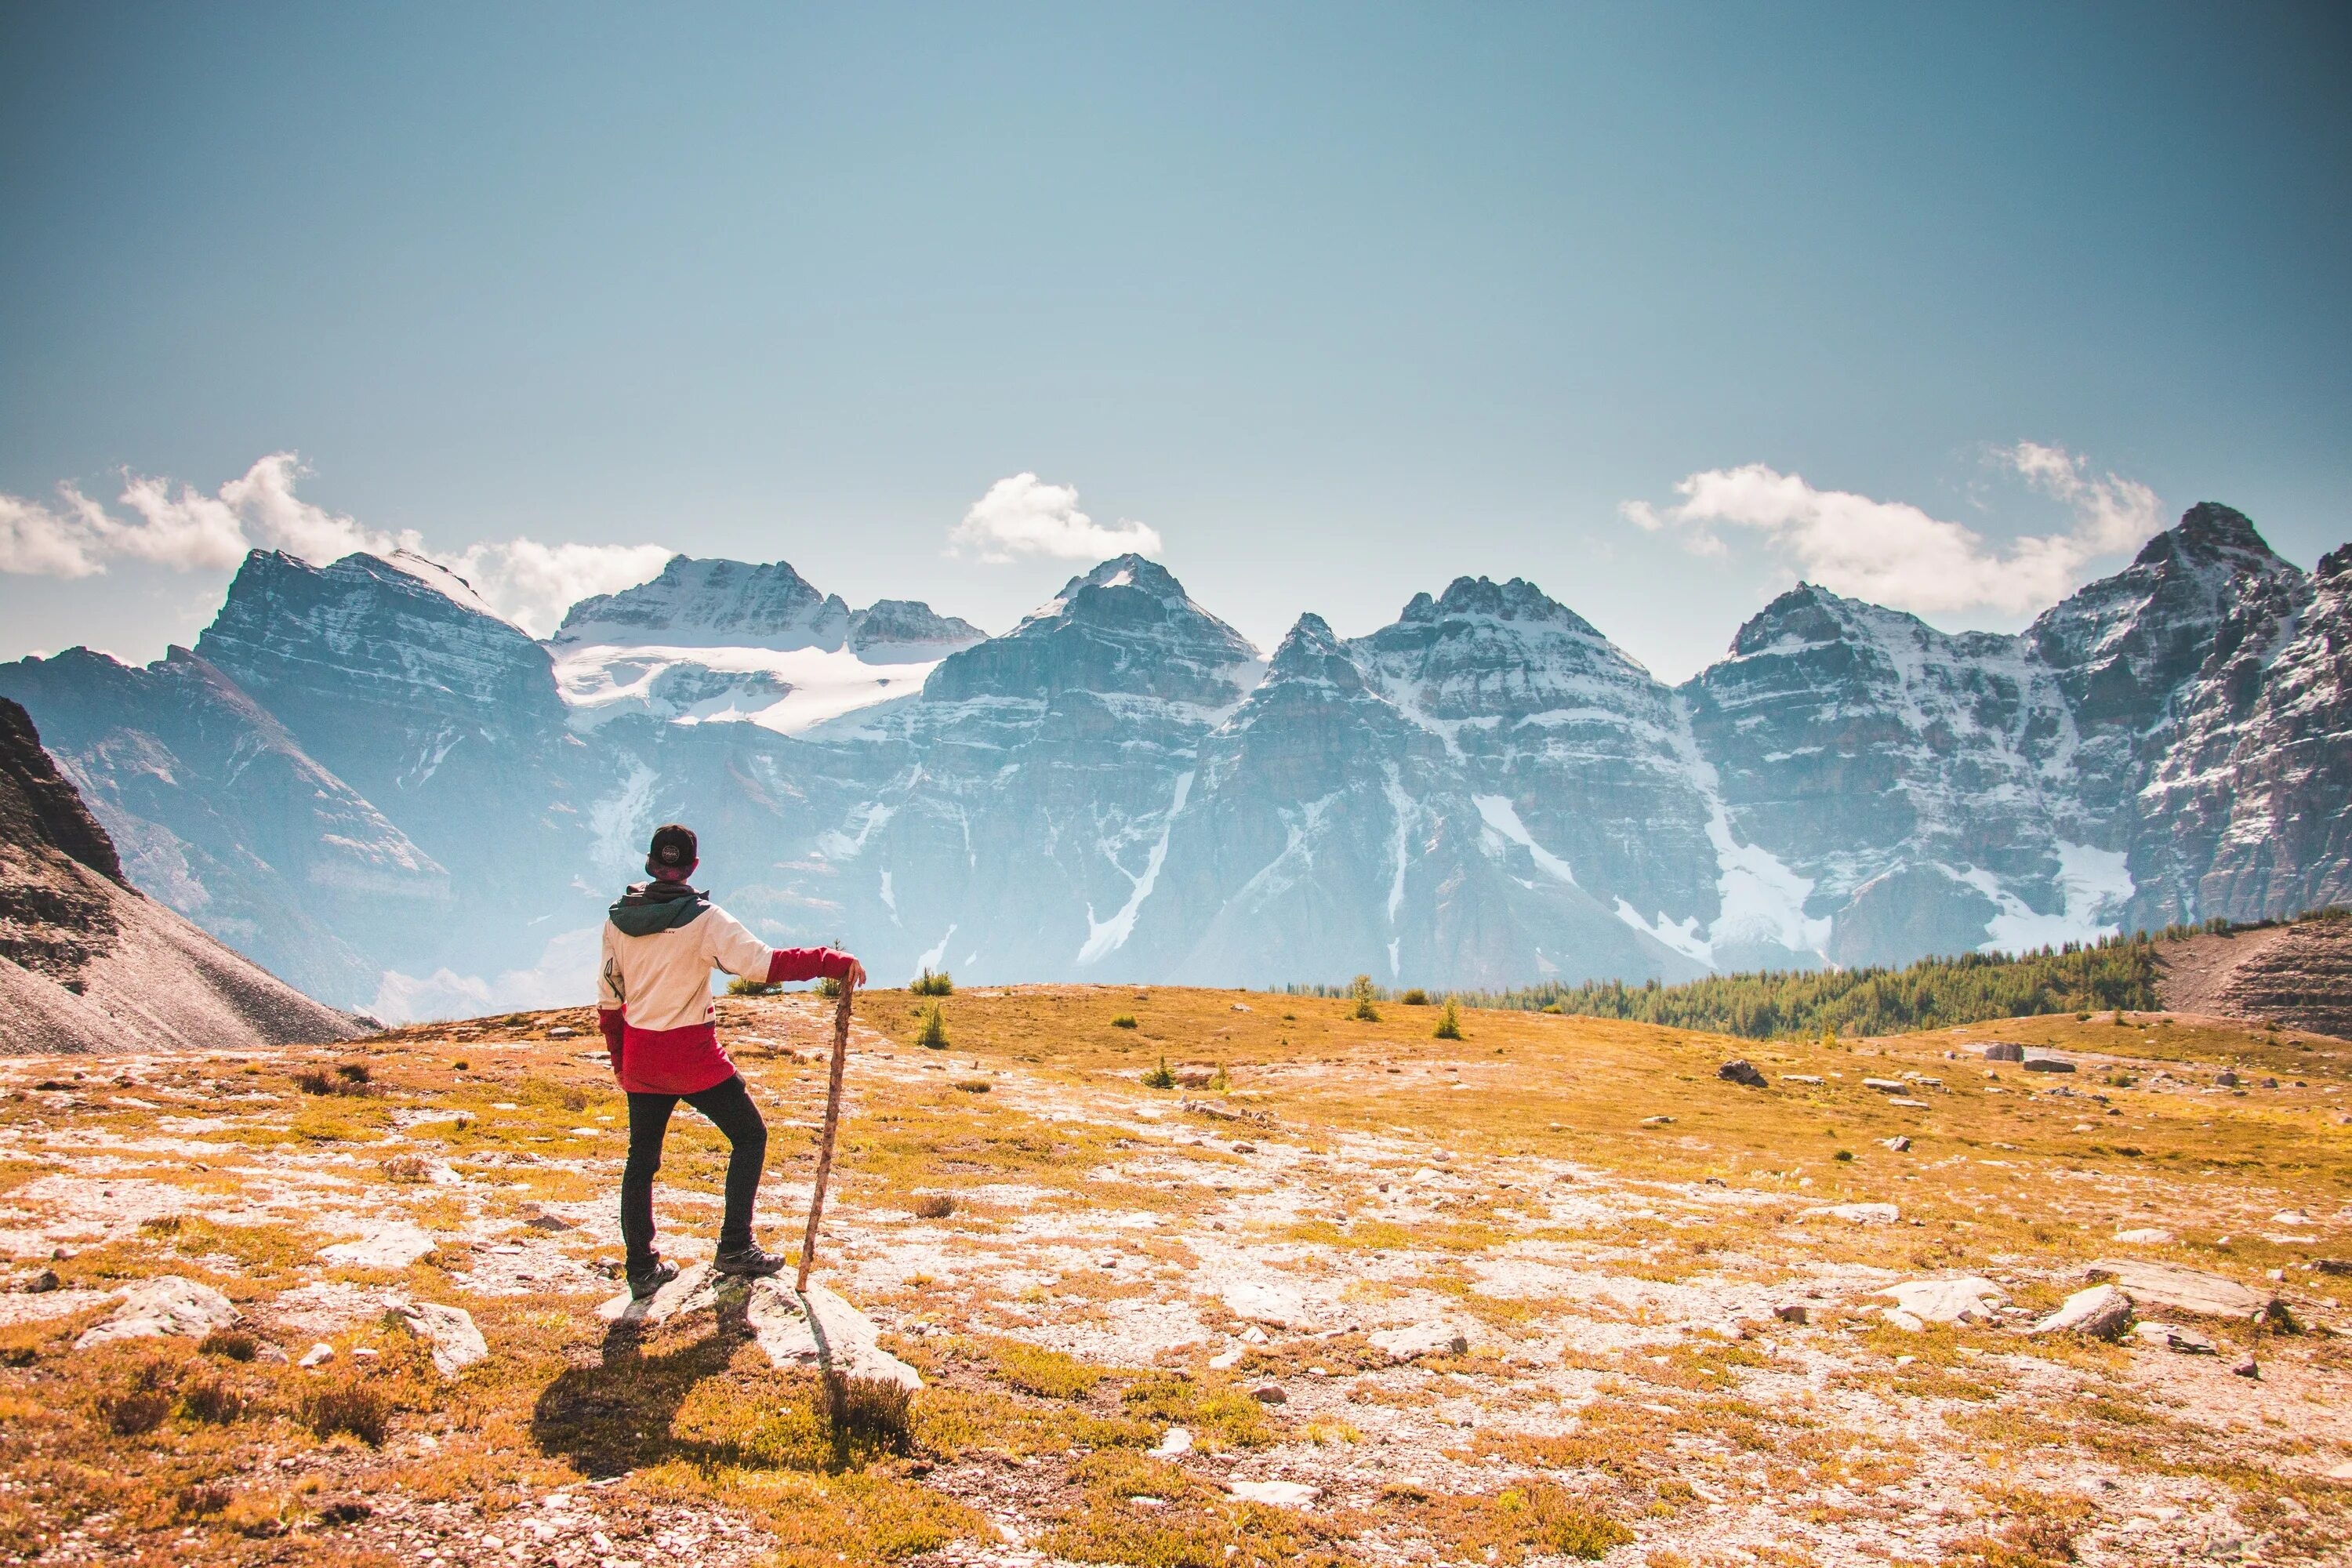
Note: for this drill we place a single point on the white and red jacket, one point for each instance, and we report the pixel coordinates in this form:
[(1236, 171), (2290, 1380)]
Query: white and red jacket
[(652, 987)]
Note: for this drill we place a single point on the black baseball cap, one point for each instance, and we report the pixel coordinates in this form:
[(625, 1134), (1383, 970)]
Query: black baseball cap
[(673, 849)]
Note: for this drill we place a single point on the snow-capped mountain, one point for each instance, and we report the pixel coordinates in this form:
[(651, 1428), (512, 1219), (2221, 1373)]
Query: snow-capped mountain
[(367, 780), (710, 641)]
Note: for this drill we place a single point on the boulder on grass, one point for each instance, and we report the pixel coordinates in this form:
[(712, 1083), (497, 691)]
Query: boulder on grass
[(1740, 1072), (456, 1343), (2101, 1312), (2177, 1289), (1965, 1300), (166, 1304)]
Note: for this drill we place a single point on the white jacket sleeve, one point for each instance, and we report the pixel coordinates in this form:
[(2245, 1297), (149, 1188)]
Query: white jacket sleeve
[(731, 948), (611, 994)]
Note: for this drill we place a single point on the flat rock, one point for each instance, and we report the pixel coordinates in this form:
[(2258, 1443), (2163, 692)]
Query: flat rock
[(1260, 1302), (456, 1343), (1857, 1213), (2147, 1236), (2178, 1290), (2171, 1336), (1899, 1144), (1907, 1103), (1281, 1494), (2102, 1313), (1418, 1339), (821, 1330), (1174, 1441), (166, 1304), (2046, 1064), (394, 1246), (1969, 1300), (1885, 1084), (1801, 1078), (826, 1331), (2004, 1051)]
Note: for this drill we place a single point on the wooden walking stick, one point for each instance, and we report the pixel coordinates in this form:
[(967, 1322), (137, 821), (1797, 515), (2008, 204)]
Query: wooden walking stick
[(832, 1120)]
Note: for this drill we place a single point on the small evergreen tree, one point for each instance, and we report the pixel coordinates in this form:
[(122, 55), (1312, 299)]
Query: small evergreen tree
[(1449, 1023), (1160, 1077), (929, 985), (1361, 988), (932, 1034)]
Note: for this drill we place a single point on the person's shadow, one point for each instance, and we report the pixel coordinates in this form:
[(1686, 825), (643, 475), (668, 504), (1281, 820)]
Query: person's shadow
[(618, 1414)]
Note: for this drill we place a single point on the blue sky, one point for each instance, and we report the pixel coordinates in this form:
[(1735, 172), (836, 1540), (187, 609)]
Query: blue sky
[(1337, 302)]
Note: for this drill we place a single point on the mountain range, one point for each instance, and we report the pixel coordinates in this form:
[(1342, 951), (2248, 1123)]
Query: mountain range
[(365, 780)]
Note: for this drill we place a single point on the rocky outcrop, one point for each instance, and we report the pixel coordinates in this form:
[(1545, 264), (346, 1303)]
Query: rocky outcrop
[(2297, 975), (88, 963)]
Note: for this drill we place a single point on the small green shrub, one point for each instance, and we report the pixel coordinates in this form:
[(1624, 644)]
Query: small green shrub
[(931, 1034), (1124, 1021), (934, 1206), (1361, 988), (1160, 1077), (828, 987), (929, 985), (1449, 1022), (973, 1085), (746, 985), (353, 1407), (1416, 997)]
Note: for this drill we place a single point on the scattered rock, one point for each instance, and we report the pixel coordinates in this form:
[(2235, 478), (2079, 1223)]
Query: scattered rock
[(1195, 1077), (1225, 1361), (1281, 1494), (39, 1282), (1657, 1122), (2148, 1236), (166, 1304), (1969, 1300), (1899, 1144), (2168, 1336), (1740, 1072), (394, 1246), (1419, 1340), (2226, 1078), (1792, 1312), (1908, 1104), (1801, 1078), (1885, 1084), (549, 1222), (2047, 1064), (2247, 1368), (1857, 1213), (2178, 1290), (1263, 1303), (563, 1032), (2004, 1051), (1244, 1148), (1175, 1441), (1270, 1393), (456, 1343), (2290, 1216), (318, 1355), (2101, 1312)]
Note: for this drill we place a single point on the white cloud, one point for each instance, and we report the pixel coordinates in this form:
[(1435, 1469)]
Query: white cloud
[(1025, 516), (1894, 554), (529, 582), (533, 584)]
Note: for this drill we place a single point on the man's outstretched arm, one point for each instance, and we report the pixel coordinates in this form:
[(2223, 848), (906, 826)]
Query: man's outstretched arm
[(611, 1000)]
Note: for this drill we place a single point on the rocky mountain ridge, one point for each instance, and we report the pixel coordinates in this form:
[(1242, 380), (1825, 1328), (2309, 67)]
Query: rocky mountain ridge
[(1485, 792), (87, 963)]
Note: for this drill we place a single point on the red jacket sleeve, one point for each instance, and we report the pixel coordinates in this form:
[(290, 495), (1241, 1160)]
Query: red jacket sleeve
[(808, 963)]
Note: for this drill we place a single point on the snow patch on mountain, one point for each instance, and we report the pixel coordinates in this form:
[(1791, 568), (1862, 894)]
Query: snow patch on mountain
[(1504, 818), (2096, 884), (1108, 936)]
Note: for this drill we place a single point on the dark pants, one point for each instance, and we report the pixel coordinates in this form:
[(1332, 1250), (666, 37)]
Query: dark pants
[(728, 1106)]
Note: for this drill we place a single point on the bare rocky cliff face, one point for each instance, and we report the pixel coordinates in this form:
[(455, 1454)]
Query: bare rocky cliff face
[(87, 963), (364, 777)]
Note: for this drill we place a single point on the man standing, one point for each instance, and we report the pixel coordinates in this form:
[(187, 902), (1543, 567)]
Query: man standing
[(661, 942)]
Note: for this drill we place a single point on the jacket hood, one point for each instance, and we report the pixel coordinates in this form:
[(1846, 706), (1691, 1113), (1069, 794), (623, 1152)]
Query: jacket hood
[(650, 907)]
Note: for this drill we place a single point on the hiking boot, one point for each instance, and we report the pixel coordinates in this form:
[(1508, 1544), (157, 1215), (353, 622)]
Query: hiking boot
[(645, 1279), (749, 1260)]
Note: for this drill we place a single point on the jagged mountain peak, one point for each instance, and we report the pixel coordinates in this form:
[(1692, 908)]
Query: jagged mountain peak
[(712, 602), (1311, 651), (2207, 529), (1517, 600)]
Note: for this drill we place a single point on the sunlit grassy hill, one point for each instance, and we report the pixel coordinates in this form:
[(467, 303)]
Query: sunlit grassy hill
[(1664, 1284)]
